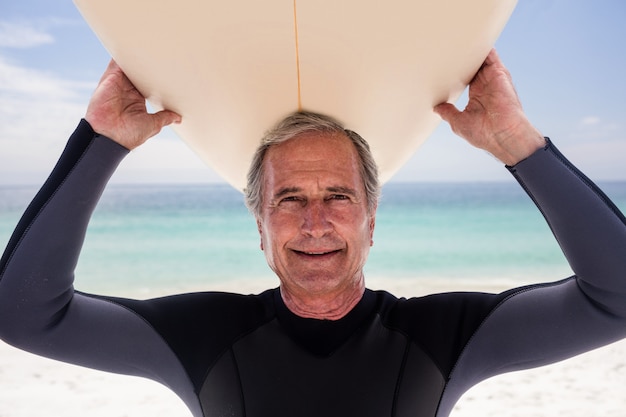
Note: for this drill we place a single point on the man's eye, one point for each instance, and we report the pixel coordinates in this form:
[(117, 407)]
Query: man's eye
[(339, 197), (291, 199)]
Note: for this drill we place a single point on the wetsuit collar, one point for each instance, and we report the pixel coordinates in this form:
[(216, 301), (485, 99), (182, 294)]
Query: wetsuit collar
[(323, 337)]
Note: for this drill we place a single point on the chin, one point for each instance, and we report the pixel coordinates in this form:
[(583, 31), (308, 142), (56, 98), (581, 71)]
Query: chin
[(325, 283)]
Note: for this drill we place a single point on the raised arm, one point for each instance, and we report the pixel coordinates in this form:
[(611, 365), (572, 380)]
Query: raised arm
[(39, 310), (541, 324), (589, 228)]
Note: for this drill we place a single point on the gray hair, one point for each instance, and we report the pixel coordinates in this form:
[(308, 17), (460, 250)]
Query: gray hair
[(296, 124)]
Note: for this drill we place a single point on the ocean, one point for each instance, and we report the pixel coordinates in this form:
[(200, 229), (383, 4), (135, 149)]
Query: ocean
[(159, 237)]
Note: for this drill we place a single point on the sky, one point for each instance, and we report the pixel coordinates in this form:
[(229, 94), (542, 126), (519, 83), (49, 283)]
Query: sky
[(567, 59)]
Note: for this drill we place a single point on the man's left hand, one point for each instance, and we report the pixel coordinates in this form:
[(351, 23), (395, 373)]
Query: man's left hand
[(493, 119)]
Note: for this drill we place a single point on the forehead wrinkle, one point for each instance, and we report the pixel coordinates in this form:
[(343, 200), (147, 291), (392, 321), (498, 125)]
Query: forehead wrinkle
[(304, 158)]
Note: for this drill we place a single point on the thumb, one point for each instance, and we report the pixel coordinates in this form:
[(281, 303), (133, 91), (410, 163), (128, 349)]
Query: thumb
[(165, 118), (155, 122), (446, 111)]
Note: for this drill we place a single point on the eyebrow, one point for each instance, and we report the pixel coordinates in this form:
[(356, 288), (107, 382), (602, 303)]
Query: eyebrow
[(288, 190), (342, 190), (336, 189)]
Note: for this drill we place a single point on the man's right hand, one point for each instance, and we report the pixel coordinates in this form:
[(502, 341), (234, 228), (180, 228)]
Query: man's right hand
[(118, 110)]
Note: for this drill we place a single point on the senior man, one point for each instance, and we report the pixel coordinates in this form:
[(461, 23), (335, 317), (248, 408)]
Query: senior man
[(321, 344)]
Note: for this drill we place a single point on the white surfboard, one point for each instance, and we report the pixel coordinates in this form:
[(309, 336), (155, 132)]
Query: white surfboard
[(233, 69)]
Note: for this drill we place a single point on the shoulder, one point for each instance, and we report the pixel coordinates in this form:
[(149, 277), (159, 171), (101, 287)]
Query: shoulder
[(407, 313), (204, 308), (440, 324), (200, 327)]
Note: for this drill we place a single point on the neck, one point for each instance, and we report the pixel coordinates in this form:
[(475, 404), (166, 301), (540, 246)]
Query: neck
[(323, 306)]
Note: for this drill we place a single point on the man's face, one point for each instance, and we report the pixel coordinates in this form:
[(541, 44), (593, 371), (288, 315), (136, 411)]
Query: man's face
[(315, 227)]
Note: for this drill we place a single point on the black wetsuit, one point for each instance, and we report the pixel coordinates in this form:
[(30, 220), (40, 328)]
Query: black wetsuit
[(236, 355)]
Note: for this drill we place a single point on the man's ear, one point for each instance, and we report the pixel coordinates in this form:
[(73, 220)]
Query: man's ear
[(372, 225), (260, 229)]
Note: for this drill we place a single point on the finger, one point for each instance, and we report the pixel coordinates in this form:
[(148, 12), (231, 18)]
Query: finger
[(493, 60), (492, 57), (446, 111), (153, 126), (111, 68), (165, 118)]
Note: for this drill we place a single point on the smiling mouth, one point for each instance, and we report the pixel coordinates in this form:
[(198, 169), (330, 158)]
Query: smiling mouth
[(317, 254)]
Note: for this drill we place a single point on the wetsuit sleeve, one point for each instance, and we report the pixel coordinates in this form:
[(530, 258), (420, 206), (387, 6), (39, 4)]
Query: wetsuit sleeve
[(589, 228), (541, 324), (39, 310)]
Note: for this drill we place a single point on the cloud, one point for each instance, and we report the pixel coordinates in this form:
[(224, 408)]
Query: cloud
[(600, 160), (594, 129), (165, 159), (590, 121), (39, 109), (16, 81), (22, 35), (32, 98), (37, 112), (444, 157)]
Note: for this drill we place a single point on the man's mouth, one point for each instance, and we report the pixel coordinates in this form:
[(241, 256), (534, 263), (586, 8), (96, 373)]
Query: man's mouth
[(317, 254)]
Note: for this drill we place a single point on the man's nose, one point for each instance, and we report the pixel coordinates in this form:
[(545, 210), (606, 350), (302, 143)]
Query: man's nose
[(316, 219)]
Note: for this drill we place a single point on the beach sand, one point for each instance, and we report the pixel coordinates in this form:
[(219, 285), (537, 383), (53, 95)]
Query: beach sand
[(590, 385)]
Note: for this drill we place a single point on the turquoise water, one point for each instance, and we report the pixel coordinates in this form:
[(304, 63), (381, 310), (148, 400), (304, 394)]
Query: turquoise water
[(172, 236)]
